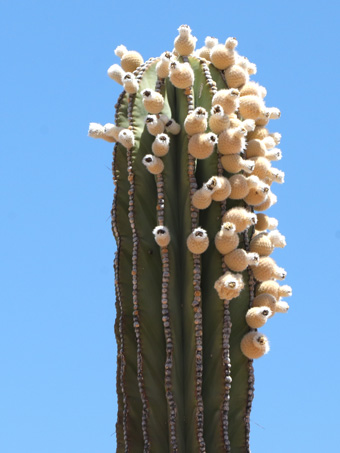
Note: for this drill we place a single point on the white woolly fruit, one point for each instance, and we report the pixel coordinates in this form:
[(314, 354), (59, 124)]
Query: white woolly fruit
[(274, 113), (255, 89), (277, 175), (112, 130), (269, 142), (258, 316), (241, 131), (248, 165), (281, 306), (196, 121), (160, 146), (163, 117), (130, 83), (253, 258), (252, 69), (184, 30), (263, 91), (263, 186), (96, 130), (163, 66), (210, 42), (252, 217), (231, 281), (181, 74), (174, 128), (116, 73), (232, 141), (154, 125), (227, 228), (234, 163), (254, 345), (200, 112), (229, 99), (246, 65), (277, 239), (126, 138), (217, 110), (272, 223), (213, 184), (229, 285), (280, 273), (257, 339), (253, 181), (273, 198), (152, 101), (274, 154), (153, 164), (218, 120), (170, 124), (201, 146), (200, 234), (231, 43), (148, 93), (162, 235), (198, 241), (120, 50), (249, 125), (286, 291), (166, 57), (240, 217), (222, 188), (276, 137), (201, 199)]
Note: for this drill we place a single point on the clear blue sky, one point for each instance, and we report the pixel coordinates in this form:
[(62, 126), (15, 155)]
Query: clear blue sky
[(57, 376)]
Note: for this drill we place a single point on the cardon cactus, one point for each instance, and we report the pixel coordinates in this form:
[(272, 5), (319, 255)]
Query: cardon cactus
[(192, 167)]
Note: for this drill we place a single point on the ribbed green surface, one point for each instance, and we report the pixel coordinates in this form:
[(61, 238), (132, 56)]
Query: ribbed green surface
[(178, 220)]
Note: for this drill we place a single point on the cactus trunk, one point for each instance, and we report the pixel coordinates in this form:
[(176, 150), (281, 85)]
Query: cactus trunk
[(183, 383)]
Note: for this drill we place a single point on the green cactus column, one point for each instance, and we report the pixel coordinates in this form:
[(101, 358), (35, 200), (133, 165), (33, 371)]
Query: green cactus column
[(193, 277)]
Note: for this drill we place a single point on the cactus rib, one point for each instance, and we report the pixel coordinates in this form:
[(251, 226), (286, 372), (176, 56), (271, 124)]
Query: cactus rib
[(197, 301), (172, 408), (251, 376)]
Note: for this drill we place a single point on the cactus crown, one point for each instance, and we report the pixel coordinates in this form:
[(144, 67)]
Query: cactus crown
[(181, 327)]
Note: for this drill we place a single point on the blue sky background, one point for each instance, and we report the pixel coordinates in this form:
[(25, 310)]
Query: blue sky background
[(57, 376)]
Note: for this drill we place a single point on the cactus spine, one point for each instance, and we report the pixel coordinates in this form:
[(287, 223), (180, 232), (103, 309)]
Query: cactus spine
[(185, 378)]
